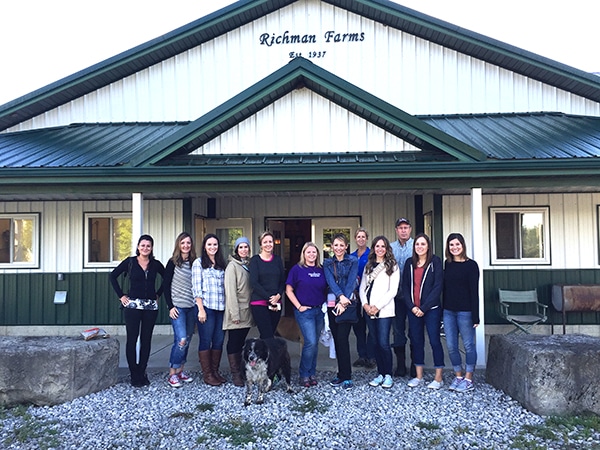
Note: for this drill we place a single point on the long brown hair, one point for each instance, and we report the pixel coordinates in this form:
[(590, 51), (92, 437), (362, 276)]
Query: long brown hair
[(460, 238), (388, 259), (177, 258), (429, 257)]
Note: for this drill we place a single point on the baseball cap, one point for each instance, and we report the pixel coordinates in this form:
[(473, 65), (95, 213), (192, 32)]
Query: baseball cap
[(403, 220)]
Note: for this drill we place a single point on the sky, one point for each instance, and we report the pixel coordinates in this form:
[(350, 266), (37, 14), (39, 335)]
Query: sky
[(42, 41)]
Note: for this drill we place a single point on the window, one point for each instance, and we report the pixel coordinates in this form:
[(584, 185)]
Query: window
[(19, 246), (108, 238), (520, 236)]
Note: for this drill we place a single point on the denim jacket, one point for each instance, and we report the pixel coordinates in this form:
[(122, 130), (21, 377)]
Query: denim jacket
[(345, 272)]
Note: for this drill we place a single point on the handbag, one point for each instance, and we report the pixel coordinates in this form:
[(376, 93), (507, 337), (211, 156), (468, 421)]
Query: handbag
[(350, 314)]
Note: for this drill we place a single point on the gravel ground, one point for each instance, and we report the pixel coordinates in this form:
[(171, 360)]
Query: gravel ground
[(196, 416)]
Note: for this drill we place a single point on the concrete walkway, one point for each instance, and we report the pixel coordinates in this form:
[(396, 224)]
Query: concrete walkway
[(161, 350)]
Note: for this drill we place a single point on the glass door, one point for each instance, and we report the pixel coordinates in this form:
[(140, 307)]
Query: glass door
[(324, 229)]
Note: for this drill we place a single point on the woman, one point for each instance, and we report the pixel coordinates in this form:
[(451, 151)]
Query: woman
[(461, 309), (422, 282), (140, 305), (208, 274), (365, 344), (306, 288), (378, 288), (341, 273), (182, 308), (238, 318), (267, 279)]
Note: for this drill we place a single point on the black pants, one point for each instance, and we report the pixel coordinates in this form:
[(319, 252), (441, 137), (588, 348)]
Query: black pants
[(266, 320), (139, 323), (341, 338), (236, 339)]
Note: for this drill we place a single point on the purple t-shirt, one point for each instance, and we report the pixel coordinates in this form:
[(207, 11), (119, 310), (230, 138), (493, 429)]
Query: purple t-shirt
[(310, 286)]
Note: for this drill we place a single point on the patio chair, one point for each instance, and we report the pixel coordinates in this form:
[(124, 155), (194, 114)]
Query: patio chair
[(522, 309)]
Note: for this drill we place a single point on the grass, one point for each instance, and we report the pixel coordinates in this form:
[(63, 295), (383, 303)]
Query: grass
[(237, 432), (308, 405), (560, 432), (428, 425), (31, 429)]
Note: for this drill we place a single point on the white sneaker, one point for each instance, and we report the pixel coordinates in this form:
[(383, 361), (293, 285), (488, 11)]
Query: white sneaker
[(415, 382), (387, 382), (376, 381), (435, 384)]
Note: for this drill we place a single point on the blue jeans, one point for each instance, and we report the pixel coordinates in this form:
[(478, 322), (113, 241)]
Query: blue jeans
[(365, 343), (432, 320), (455, 323), (211, 332), (380, 329), (183, 330), (311, 322), (399, 322)]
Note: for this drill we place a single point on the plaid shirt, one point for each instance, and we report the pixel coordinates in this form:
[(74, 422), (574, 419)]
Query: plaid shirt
[(208, 284)]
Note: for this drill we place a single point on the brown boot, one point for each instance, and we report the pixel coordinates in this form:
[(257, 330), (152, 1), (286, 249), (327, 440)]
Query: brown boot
[(235, 362), (207, 372), (215, 357)]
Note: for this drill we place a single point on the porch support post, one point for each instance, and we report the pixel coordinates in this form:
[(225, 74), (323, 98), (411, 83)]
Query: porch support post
[(137, 219), (478, 245)]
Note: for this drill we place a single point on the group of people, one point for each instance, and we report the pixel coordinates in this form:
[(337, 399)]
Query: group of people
[(372, 291)]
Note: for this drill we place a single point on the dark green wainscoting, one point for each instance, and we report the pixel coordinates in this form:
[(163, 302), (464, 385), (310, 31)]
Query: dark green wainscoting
[(28, 299), (542, 280)]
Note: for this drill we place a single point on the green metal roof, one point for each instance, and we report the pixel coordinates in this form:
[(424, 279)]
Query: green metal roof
[(245, 11)]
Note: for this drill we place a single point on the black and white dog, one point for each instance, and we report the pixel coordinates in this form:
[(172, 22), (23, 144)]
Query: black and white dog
[(263, 359)]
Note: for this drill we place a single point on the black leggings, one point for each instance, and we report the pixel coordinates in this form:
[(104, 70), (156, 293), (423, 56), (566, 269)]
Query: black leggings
[(236, 339), (139, 322), (266, 320)]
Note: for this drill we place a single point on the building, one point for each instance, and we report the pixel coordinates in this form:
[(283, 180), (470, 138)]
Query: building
[(302, 117)]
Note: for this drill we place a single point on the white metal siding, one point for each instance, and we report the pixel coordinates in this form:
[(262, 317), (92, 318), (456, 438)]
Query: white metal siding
[(62, 229), (408, 72), (573, 225)]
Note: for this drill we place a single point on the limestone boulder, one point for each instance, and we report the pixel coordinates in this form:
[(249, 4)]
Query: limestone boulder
[(548, 375), (52, 370)]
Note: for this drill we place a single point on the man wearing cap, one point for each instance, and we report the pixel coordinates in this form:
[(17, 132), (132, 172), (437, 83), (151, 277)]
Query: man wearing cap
[(403, 249)]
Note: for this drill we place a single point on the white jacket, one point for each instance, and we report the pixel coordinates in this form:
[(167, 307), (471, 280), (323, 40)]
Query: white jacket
[(383, 292)]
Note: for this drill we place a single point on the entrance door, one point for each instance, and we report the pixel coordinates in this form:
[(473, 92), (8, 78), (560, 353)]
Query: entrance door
[(227, 230), (324, 229)]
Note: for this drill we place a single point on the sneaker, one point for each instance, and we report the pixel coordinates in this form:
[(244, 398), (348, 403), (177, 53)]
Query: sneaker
[(415, 382), (336, 382), (370, 364), (305, 382), (185, 377), (174, 381), (348, 384), (435, 384), (455, 383), (360, 362), (387, 382), (376, 381), (464, 386), (313, 380)]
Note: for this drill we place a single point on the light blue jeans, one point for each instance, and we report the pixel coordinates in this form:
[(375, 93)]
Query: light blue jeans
[(183, 330), (311, 322), (455, 323)]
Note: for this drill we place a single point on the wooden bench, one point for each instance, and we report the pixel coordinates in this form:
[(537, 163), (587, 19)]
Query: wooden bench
[(575, 298)]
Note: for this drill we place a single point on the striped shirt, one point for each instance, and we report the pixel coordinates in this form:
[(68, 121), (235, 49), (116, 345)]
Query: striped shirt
[(181, 286), (209, 285)]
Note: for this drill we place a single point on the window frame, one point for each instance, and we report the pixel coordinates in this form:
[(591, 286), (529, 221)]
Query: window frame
[(86, 235), (521, 261), (36, 248)]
